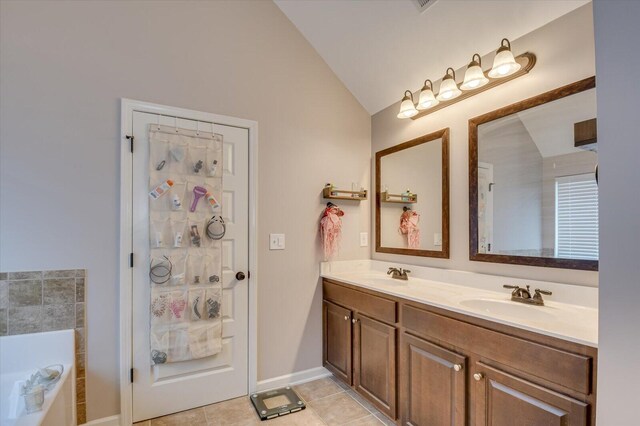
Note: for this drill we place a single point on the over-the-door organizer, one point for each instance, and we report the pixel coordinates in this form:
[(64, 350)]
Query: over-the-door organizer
[(185, 236)]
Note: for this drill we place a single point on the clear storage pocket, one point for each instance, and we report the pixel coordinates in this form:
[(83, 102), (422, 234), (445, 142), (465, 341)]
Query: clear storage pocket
[(177, 196), (179, 267), (159, 233), (178, 306), (197, 160), (196, 196), (177, 232), (159, 156), (160, 307), (178, 344), (196, 304), (205, 339), (213, 303), (195, 233), (213, 267), (195, 268), (177, 155), (214, 160), (159, 345), (160, 269)]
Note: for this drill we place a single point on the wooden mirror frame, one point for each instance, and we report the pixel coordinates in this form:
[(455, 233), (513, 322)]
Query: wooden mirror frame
[(444, 253), (549, 262)]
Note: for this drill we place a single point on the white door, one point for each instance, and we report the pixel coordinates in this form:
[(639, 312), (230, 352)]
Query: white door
[(168, 388), (486, 188)]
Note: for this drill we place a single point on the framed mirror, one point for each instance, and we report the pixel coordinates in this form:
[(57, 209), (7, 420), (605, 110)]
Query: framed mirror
[(412, 197), (533, 193)]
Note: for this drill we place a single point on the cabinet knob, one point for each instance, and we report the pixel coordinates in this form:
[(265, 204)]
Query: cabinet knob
[(457, 367), (478, 377), (346, 317), (355, 320)]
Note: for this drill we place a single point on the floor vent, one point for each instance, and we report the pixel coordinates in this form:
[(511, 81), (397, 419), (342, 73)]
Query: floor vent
[(423, 5)]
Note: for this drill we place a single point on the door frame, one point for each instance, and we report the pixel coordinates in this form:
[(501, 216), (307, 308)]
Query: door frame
[(128, 107)]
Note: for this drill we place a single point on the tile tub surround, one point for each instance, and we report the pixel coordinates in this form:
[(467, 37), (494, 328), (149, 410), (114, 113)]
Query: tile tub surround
[(329, 402), (37, 301), (574, 308)]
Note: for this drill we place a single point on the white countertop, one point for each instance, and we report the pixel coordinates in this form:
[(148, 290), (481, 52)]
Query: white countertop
[(482, 296)]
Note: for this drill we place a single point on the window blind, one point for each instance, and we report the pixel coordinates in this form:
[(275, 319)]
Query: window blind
[(577, 217)]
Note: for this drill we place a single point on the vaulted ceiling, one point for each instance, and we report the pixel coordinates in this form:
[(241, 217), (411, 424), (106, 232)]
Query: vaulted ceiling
[(380, 48)]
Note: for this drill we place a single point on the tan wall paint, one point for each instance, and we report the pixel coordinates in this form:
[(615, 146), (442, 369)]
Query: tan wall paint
[(565, 51), (64, 67)]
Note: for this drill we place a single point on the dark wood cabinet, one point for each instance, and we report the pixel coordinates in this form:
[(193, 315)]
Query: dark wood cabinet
[(337, 340), (426, 366), (433, 381), (505, 400), (374, 362)]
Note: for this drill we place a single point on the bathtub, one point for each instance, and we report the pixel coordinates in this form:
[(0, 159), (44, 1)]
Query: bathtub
[(20, 356)]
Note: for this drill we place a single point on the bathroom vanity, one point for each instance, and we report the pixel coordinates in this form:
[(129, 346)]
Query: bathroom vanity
[(434, 351)]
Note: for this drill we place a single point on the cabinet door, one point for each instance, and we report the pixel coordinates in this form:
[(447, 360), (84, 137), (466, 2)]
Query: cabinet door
[(506, 400), (375, 362), (337, 340), (433, 381)]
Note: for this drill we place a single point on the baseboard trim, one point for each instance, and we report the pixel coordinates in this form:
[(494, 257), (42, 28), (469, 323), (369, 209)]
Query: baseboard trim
[(292, 379), (105, 421)]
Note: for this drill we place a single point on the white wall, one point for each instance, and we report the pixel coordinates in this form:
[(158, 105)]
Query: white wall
[(617, 34), (564, 56), (66, 64)]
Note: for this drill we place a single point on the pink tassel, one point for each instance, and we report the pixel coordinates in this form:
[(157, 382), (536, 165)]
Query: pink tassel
[(331, 230), (409, 227)]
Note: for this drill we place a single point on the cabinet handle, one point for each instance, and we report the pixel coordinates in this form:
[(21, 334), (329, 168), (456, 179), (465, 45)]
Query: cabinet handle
[(355, 320), (478, 377), (346, 317), (457, 367)]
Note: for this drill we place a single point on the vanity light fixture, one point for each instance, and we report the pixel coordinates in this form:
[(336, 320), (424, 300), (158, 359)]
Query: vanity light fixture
[(504, 63), (448, 88), (427, 99), (474, 76), (407, 108), (476, 80)]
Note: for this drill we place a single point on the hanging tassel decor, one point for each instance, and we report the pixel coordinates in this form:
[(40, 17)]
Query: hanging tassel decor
[(331, 230), (409, 227)]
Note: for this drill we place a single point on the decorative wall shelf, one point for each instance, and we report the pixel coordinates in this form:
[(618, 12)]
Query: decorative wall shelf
[(385, 197), (526, 60), (333, 193)]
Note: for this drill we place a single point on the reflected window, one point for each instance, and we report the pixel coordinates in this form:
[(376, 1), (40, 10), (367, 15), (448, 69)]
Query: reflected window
[(577, 217)]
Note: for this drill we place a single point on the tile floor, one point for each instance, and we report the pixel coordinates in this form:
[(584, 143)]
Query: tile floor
[(329, 402)]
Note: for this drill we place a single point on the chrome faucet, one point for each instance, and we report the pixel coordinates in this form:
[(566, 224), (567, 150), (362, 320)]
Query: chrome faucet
[(523, 295), (398, 273)]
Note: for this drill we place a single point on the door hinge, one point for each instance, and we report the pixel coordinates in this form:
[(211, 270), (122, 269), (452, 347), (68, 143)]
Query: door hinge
[(131, 375), (130, 260), (130, 138)]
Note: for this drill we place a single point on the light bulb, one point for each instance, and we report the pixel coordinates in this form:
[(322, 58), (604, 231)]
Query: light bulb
[(427, 99), (504, 64), (474, 76), (407, 108), (448, 87)]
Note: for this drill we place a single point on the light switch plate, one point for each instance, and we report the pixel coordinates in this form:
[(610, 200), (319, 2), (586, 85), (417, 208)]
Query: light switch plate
[(364, 239), (276, 241), (437, 239)]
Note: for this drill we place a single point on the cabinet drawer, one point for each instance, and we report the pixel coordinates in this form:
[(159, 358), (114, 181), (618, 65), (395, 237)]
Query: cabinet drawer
[(563, 368), (374, 306)]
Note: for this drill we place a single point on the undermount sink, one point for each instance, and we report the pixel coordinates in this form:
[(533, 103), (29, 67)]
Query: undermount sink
[(509, 308)]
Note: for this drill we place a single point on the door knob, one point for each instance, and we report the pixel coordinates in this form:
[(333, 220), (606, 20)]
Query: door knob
[(457, 367), (478, 376), (240, 276)]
